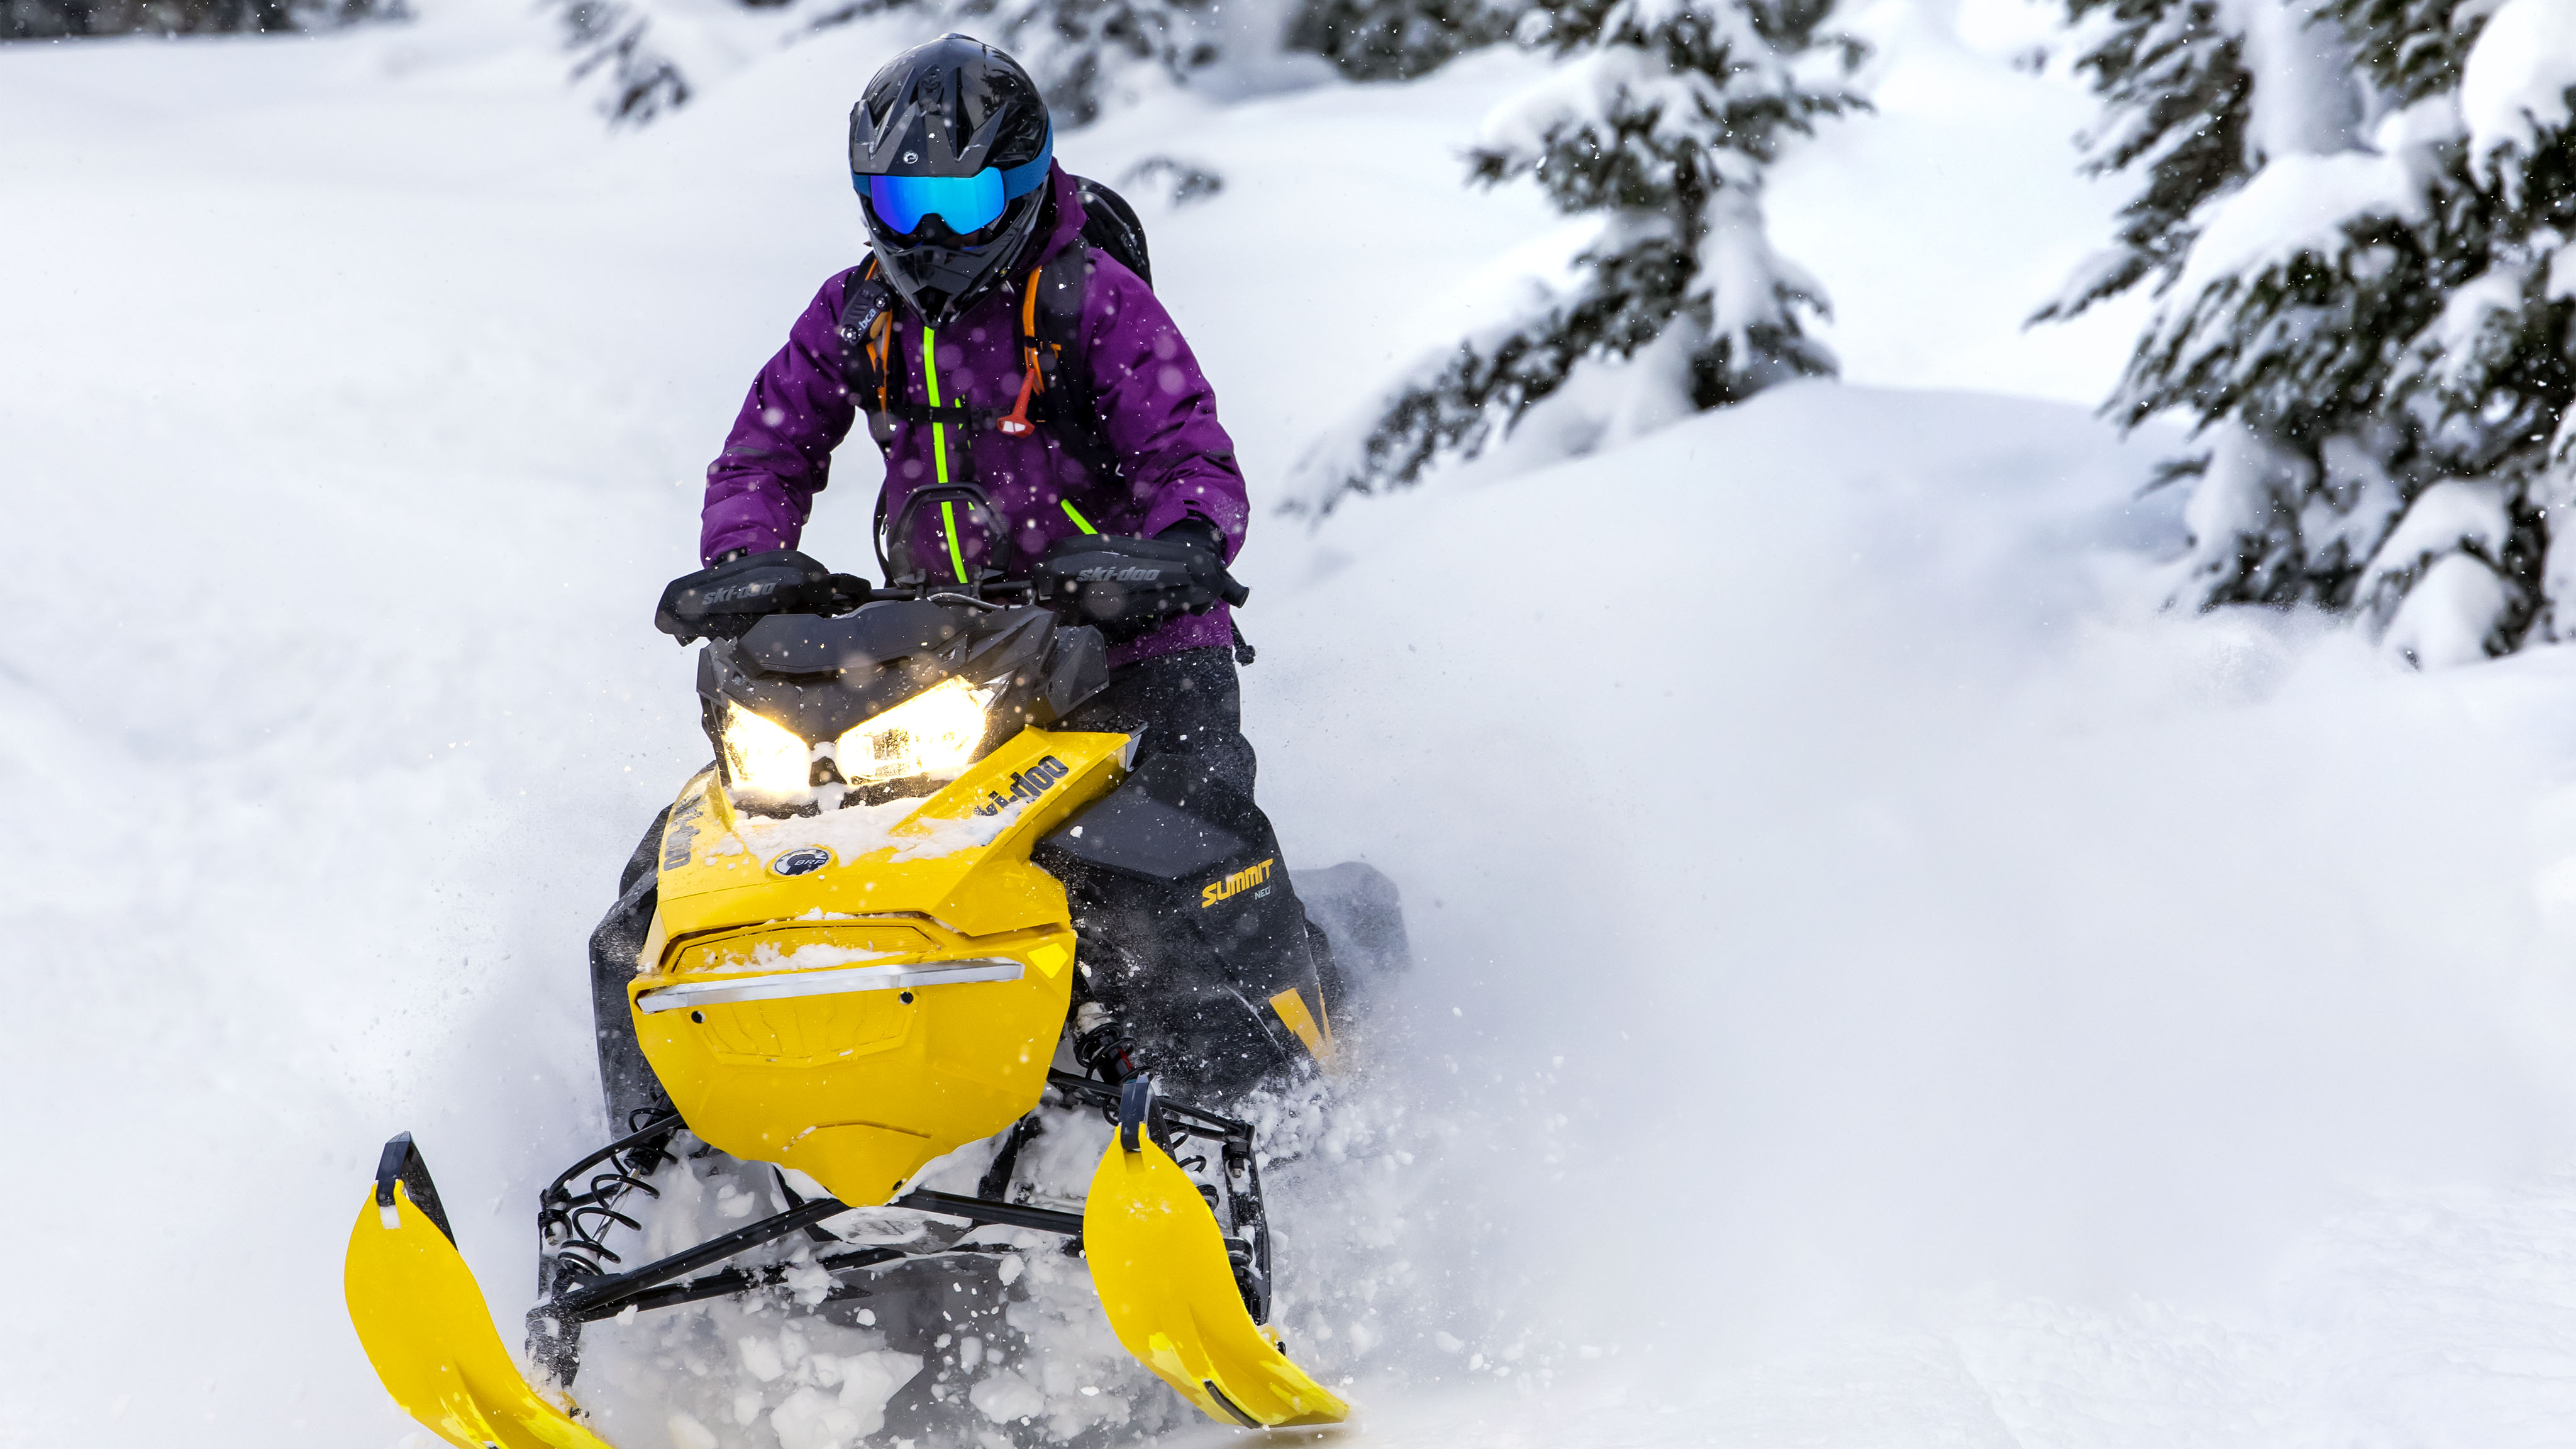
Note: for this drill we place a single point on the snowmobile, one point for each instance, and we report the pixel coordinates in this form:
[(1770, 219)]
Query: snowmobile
[(863, 956)]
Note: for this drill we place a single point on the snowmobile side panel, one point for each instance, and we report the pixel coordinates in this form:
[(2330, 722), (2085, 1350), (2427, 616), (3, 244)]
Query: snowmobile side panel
[(427, 1330), (1159, 1261), (1187, 876), (1147, 827)]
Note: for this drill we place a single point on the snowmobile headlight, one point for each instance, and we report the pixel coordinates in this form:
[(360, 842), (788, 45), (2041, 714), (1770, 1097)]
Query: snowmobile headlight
[(934, 733), (765, 757)]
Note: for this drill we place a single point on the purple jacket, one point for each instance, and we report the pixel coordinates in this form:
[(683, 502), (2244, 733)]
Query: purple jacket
[(1158, 416)]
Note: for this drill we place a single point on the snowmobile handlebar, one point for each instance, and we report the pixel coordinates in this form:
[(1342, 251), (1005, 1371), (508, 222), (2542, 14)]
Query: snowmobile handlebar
[(1127, 589)]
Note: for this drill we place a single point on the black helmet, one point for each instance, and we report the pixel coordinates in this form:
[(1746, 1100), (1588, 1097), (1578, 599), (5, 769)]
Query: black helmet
[(950, 149)]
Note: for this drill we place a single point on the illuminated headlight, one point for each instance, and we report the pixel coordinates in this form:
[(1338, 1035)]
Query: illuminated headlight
[(761, 756), (934, 733)]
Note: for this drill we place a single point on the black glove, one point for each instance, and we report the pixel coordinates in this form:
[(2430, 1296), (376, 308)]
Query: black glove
[(723, 601), (1128, 587)]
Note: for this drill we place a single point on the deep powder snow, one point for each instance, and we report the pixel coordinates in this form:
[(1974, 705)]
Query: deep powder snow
[(1881, 980)]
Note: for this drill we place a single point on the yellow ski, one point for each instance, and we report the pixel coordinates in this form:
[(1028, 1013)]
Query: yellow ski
[(1158, 1258), (426, 1328)]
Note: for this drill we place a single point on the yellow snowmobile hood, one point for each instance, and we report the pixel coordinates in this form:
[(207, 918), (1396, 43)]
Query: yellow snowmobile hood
[(855, 993)]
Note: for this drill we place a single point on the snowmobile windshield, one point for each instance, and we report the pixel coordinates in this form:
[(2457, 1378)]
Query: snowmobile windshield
[(968, 204)]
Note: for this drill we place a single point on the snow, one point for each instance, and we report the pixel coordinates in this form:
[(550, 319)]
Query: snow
[(2456, 346), (2453, 538), (2247, 493), (856, 830), (2515, 85), (2303, 100), (1884, 979), (2451, 613), (2452, 514), (1941, 221), (767, 957), (2298, 204)]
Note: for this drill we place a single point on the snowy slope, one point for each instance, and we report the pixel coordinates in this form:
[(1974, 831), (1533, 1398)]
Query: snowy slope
[(1882, 982)]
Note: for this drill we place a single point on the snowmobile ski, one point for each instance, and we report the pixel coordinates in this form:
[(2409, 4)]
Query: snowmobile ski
[(426, 1328), (1171, 1294)]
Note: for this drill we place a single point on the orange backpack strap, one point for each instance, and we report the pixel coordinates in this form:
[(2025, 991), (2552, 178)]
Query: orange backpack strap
[(1015, 423)]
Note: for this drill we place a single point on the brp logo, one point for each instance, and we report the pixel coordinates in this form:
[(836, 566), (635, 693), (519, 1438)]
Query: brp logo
[(803, 860)]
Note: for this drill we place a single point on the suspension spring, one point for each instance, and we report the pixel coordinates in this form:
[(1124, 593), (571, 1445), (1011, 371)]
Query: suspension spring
[(572, 1226)]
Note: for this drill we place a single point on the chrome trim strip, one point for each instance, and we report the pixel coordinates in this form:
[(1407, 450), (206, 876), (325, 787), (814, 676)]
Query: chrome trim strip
[(718, 990)]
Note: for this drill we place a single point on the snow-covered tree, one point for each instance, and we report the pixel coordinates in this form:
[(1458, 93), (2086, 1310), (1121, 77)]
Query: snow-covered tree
[(2356, 216), (618, 58), (1661, 124), (57, 19), (1374, 40), (641, 58), (1076, 50)]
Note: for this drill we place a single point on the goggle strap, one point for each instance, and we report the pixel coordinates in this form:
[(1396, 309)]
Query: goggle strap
[(1021, 178)]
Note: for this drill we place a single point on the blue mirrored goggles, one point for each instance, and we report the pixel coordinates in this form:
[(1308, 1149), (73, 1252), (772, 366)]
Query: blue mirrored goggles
[(966, 203)]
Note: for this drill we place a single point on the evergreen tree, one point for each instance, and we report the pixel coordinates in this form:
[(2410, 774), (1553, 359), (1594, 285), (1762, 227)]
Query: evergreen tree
[(58, 19), (1371, 40), (2352, 214), (637, 55), (614, 55), (1661, 124), (1075, 49)]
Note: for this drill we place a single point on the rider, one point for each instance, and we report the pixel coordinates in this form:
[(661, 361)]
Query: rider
[(953, 155)]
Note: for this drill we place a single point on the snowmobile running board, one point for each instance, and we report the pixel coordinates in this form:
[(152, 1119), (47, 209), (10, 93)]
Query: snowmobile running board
[(1181, 1295)]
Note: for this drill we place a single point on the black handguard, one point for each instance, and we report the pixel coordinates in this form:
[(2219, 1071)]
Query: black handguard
[(723, 601), (1128, 587)]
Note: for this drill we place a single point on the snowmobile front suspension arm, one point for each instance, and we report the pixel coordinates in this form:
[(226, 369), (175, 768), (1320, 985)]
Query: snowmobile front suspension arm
[(728, 1283), (554, 1326), (1171, 1121), (577, 1291), (650, 1285), (599, 1297)]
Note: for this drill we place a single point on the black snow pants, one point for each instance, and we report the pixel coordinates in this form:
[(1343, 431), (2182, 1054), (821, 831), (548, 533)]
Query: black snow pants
[(1187, 949)]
